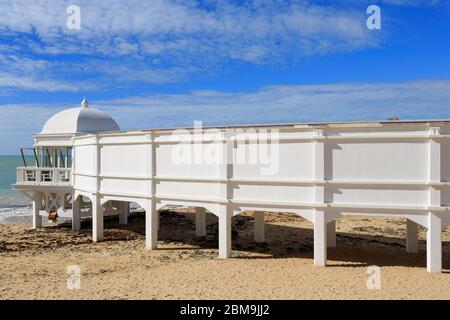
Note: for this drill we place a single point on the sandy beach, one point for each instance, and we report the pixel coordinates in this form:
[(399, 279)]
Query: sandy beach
[(33, 264)]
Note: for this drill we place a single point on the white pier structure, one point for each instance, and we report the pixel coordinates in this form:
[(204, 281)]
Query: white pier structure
[(319, 171)]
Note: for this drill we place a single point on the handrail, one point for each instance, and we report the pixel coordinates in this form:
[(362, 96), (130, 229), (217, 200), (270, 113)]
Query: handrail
[(44, 176)]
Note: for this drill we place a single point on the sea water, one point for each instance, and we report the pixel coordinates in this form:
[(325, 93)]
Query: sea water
[(14, 206)]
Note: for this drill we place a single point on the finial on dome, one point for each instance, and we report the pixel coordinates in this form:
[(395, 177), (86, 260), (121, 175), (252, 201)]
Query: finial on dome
[(84, 103)]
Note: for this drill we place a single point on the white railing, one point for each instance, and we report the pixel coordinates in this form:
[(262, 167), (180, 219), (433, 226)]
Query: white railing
[(44, 176)]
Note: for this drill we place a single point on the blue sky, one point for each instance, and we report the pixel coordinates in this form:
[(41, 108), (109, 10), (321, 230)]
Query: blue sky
[(168, 63)]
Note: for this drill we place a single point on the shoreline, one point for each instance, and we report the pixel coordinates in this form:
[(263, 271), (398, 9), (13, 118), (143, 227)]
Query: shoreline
[(34, 263)]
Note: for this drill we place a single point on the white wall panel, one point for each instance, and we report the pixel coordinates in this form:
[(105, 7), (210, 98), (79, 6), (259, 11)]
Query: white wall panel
[(187, 189), (371, 160), (128, 160), (126, 186), (378, 196)]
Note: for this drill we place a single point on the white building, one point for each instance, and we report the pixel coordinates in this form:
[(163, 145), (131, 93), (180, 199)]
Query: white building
[(320, 171)]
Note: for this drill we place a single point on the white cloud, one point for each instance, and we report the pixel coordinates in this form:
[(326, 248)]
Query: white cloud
[(165, 41), (327, 102), (276, 104)]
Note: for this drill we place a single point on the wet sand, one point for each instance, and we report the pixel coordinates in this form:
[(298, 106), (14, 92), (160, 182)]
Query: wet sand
[(33, 264)]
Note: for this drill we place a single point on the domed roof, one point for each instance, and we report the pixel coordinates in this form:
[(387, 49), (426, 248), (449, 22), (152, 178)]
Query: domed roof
[(79, 120)]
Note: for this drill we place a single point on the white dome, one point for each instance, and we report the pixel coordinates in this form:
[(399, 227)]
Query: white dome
[(79, 120)]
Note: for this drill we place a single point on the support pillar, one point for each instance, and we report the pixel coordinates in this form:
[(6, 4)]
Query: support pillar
[(97, 219), (76, 213), (158, 220), (411, 236), (123, 214), (434, 243), (151, 225), (331, 234), (37, 204), (320, 239), (225, 215), (259, 226), (200, 222)]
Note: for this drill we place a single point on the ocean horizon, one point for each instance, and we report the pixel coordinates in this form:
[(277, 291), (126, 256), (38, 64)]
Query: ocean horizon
[(14, 206)]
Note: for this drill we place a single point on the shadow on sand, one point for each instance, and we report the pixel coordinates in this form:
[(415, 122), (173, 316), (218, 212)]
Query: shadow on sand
[(353, 250)]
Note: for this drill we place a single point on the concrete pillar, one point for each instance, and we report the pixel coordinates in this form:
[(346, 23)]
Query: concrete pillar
[(158, 218), (76, 213), (108, 208), (200, 222), (320, 239), (331, 234), (151, 225), (411, 236), (37, 204), (97, 219), (123, 213), (225, 215), (259, 226), (434, 243)]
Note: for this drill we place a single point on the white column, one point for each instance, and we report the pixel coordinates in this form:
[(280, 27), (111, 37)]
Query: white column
[(123, 214), (225, 216), (434, 167), (434, 243), (76, 213), (151, 225), (200, 222), (434, 232), (107, 208), (97, 208), (259, 226), (320, 225), (320, 239), (37, 203), (331, 234), (151, 186), (225, 171), (97, 219), (158, 220), (411, 236)]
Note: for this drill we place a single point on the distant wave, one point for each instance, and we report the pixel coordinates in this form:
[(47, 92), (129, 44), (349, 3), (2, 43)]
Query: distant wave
[(16, 214)]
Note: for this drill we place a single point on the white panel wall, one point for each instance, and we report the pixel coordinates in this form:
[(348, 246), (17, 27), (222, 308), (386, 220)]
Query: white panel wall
[(255, 192), (379, 160), (382, 165), (84, 161), (187, 189), (172, 160), (406, 196), (129, 160), (290, 160), (125, 186)]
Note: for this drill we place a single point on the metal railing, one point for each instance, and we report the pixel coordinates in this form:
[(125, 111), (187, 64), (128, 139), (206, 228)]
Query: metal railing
[(44, 176)]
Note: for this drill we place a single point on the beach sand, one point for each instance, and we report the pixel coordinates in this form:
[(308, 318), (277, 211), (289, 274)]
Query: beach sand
[(33, 264)]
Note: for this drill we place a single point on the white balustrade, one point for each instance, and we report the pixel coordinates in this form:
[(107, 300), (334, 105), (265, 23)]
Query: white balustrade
[(44, 176)]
